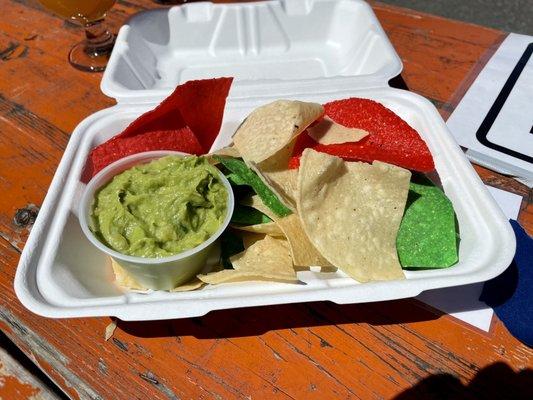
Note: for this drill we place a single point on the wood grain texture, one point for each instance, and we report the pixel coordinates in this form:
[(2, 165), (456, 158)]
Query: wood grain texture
[(437, 53), (315, 350), (17, 382)]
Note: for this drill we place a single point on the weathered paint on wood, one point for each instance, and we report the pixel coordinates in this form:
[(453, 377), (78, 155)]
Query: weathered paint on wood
[(17, 382), (316, 350)]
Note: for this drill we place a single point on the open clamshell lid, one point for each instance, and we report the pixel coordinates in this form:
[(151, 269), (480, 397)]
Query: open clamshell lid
[(271, 48)]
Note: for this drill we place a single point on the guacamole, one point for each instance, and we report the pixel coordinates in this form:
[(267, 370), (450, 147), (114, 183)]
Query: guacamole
[(161, 208)]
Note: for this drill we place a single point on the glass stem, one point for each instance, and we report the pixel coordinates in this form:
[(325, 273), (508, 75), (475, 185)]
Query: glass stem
[(99, 40)]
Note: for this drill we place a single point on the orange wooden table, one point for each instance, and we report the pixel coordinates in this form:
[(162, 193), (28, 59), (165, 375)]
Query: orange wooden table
[(315, 350)]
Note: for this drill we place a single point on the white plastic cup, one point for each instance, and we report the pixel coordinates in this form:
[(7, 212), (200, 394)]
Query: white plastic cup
[(164, 273)]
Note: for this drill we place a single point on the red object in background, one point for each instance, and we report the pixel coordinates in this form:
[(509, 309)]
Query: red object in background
[(188, 120), (390, 138)]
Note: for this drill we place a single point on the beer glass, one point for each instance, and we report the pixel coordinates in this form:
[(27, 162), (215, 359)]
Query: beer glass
[(92, 53)]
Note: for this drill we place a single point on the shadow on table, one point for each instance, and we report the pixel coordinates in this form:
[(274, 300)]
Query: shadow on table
[(255, 321), (398, 82), (497, 381)]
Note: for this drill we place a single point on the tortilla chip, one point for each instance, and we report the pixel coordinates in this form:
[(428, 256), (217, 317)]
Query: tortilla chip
[(229, 151), (274, 256), (244, 215), (249, 238), (123, 279), (390, 138), (126, 281), (276, 174), (287, 119), (230, 244), (181, 117), (110, 330), (351, 212), (271, 127), (328, 270), (182, 140), (427, 237), (284, 183), (329, 132), (236, 179), (270, 228), (187, 106), (267, 259), (245, 174), (193, 284), (201, 104), (230, 276), (303, 252)]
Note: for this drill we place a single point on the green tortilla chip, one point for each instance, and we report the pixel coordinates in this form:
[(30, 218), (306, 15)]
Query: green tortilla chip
[(245, 215), (245, 174), (235, 179), (230, 244), (427, 236)]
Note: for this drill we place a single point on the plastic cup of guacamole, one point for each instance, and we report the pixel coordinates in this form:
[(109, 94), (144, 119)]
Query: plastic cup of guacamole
[(157, 214)]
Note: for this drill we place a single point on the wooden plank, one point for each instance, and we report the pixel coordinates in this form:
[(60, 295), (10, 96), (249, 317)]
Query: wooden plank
[(44, 85), (437, 53), (316, 350), (30, 151), (19, 382)]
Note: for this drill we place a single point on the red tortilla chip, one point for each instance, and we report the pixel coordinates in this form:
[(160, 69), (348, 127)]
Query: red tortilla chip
[(182, 140), (390, 138), (196, 104), (191, 118), (201, 104)]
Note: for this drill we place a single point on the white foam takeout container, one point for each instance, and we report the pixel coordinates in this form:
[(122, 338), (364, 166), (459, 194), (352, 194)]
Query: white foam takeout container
[(312, 50)]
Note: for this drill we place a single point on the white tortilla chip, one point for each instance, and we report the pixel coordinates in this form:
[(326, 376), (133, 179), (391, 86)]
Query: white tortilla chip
[(351, 212), (193, 284), (110, 330), (329, 132), (281, 189), (275, 174), (126, 281), (303, 252), (268, 228), (229, 151), (249, 238), (284, 183), (231, 275), (267, 259), (123, 279), (273, 126)]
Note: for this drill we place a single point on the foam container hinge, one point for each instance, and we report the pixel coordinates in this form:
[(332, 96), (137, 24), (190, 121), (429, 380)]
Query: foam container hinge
[(60, 273)]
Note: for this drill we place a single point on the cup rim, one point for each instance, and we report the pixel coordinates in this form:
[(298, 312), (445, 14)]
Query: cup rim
[(92, 186)]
